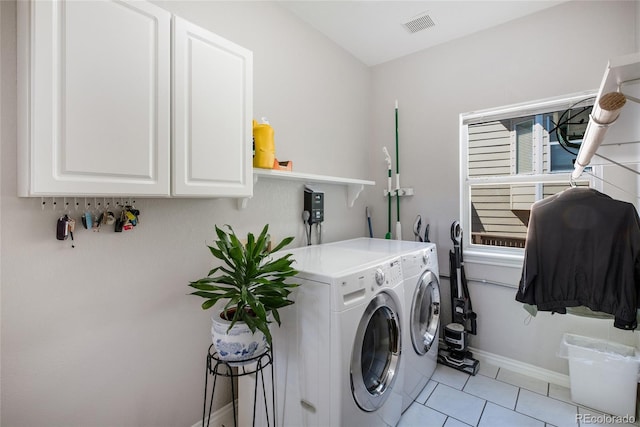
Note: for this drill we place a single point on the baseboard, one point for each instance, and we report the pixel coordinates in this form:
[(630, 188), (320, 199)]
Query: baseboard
[(521, 367), (223, 417)]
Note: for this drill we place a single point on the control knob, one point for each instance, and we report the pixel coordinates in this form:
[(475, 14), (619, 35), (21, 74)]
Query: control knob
[(379, 276)]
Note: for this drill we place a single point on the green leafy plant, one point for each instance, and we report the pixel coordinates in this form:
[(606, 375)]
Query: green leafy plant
[(253, 283)]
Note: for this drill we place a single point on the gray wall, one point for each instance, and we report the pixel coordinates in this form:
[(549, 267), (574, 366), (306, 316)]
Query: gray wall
[(559, 51), (105, 334)]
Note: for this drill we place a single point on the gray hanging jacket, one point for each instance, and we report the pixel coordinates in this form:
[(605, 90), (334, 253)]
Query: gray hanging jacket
[(583, 249)]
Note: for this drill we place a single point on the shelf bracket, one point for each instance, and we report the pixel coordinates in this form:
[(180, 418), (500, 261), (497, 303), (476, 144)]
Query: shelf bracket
[(353, 191), (244, 201)]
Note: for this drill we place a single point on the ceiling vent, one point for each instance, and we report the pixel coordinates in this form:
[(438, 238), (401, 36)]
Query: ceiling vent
[(419, 23)]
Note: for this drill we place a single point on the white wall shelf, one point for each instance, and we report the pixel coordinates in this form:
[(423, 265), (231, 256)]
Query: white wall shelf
[(354, 186)]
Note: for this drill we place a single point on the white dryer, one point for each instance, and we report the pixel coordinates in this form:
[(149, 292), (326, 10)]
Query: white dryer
[(421, 307), (337, 354)]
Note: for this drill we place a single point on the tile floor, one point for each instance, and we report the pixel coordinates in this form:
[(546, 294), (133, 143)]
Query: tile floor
[(495, 397)]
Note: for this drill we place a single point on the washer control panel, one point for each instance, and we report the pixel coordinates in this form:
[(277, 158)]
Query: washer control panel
[(379, 275), (429, 257), (391, 273), (358, 287), (426, 257), (416, 262)]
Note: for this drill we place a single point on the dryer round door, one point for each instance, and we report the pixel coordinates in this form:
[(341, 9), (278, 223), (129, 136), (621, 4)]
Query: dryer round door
[(376, 353), (424, 319)]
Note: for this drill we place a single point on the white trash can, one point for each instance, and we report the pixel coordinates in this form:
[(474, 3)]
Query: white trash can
[(604, 375)]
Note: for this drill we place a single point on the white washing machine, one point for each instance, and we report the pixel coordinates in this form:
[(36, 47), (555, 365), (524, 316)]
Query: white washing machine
[(421, 308), (337, 354)]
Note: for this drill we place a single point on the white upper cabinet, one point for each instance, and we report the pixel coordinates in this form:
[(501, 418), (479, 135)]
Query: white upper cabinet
[(94, 98), (95, 101), (212, 112)]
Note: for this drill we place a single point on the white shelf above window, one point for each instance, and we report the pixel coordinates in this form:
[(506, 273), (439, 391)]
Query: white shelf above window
[(354, 186)]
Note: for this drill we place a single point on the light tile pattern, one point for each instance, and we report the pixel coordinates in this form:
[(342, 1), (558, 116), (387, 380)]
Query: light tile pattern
[(560, 414), (492, 390), (497, 398), (457, 404), (450, 377), (452, 422), (487, 370), (417, 415), (497, 416), (523, 381), (426, 392), (560, 393)]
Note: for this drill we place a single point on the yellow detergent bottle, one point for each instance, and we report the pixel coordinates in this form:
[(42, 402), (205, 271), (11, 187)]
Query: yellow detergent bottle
[(265, 149)]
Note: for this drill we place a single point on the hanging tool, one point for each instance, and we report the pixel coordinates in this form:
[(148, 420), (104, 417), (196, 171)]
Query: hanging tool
[(387, 157), (455, 354), (313, 212), (398, 224), (369, 221), (307, 226), (417, 226)]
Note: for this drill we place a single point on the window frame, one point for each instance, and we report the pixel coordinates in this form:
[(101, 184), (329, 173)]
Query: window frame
[(498, 255)]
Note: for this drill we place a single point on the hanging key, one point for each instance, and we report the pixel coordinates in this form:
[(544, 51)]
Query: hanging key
[(72, 227), (62, 228)]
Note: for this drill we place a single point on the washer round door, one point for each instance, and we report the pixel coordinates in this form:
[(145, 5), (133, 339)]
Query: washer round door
[(425, 313), (376, 353)]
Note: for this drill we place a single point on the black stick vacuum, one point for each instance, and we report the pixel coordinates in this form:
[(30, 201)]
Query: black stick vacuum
[(455, 353)]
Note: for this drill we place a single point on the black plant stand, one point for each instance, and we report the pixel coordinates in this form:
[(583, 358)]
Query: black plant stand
[(255, 365)]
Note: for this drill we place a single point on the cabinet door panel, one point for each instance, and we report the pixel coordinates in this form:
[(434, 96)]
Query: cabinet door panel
[(212, 114), (99, 98)]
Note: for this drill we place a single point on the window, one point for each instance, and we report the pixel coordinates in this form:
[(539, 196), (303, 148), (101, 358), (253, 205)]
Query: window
[(511, 158), (524, 146), (569, 125)]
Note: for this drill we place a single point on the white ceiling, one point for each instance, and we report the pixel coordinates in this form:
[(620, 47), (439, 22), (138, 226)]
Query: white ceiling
[(373, 31)]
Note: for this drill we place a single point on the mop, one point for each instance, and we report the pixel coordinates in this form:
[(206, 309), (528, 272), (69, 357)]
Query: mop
[(398, 225), (387, 157), (369, 221)]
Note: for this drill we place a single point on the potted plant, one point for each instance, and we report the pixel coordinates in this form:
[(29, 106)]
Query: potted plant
[(248, 288)]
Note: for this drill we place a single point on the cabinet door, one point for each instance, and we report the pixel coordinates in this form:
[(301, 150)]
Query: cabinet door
[(94, 98), (212, 100)]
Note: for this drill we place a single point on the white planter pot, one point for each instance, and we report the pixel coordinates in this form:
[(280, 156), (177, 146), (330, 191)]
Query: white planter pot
[(237, 344)]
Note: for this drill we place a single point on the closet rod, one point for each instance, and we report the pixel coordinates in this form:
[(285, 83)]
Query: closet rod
[(617, 163), (485, 281), (614, 185), (627, 82), (619, 143)]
